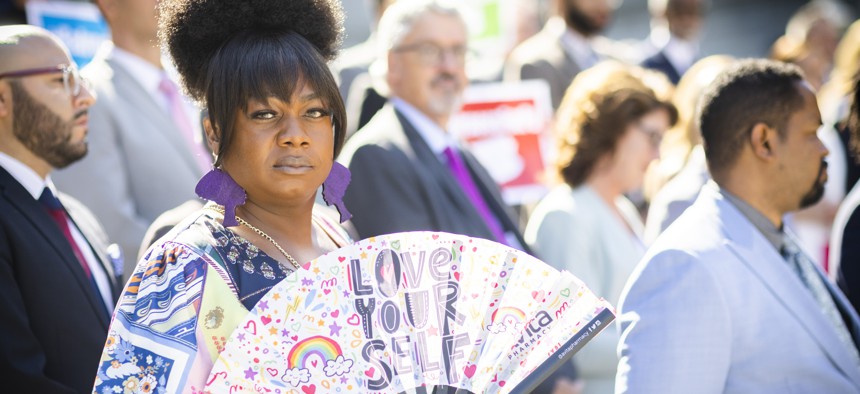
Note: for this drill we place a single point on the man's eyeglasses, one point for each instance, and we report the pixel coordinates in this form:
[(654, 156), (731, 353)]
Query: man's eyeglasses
[(72, 80), (432, 54)]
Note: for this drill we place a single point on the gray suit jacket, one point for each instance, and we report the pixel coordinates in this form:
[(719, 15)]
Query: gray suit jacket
[(138, 164), (714, 308), (398, 184), (543, 57)]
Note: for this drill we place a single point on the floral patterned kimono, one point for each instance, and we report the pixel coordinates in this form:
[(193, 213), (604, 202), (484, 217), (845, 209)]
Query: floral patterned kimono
[(183, 301)]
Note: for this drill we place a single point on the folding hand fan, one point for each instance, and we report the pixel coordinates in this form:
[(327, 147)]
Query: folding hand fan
[(412, 312)]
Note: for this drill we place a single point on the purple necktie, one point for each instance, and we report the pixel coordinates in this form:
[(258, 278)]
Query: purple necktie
[(174, 103), (459, 170)]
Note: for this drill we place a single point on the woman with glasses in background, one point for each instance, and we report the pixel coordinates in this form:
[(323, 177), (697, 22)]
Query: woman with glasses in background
[(609, 127)]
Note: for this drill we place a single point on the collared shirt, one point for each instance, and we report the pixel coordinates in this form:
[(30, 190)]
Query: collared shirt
[(149, 77), (434, 135), (580, 48), (682, 54), (438, 140), (773, 234), (34, 184), (146, 74)]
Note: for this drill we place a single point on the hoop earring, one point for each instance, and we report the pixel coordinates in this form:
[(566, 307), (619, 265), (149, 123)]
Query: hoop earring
[(334, 189), (219, 187)]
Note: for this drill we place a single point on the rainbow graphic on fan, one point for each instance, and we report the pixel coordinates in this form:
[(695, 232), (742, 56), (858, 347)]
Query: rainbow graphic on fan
[(322, 347), (502, 314)]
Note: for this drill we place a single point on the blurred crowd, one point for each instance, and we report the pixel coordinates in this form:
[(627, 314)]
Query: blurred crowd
[(635, 142)]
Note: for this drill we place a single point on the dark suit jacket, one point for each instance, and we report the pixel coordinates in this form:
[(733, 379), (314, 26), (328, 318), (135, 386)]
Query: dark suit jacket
[(661, 63), (845, 247), (52, 322), (398, 184)]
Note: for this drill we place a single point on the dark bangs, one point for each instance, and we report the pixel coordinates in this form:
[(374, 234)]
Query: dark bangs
[(259, 65)]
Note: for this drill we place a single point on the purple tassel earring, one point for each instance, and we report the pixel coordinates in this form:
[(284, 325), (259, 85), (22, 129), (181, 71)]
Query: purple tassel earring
[(217, 186), (334, 189)]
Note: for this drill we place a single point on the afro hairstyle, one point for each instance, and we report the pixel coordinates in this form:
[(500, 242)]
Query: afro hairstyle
[(194, 30)]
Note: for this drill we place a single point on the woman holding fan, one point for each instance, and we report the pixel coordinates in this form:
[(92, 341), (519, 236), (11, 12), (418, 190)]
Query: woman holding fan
[(275, 123)]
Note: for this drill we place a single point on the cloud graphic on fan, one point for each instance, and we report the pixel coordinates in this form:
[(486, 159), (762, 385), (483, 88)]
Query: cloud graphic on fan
[(337, 367), (296, 376), (396, 312)]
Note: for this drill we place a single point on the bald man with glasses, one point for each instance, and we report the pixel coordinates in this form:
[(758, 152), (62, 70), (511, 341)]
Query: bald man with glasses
[(57, 281)]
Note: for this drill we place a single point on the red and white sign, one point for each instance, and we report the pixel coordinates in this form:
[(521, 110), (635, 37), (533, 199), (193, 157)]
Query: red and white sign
[(506, 126)]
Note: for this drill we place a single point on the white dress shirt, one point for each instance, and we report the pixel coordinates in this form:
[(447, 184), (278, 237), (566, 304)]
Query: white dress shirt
[(34, 184)]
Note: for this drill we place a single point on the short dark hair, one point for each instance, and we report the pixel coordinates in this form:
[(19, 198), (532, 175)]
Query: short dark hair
[(229, 52), (752, 91)]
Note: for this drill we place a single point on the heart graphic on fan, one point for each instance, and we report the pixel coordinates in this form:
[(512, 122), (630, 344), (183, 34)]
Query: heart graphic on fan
[(479, 318), (469, 371)]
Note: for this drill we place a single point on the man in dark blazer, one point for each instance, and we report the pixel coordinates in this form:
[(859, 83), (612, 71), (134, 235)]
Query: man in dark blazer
[(404, 162), (568, 43), (675, 26), (57, 282), (401, 179)]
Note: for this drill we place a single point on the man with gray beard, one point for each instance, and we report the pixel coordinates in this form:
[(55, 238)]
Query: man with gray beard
[(57, 282), (408, 172)]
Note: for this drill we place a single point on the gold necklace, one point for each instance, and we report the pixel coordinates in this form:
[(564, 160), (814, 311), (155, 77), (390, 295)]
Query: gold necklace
[(219, 209)]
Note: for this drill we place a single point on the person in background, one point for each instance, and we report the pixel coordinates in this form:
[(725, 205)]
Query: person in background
[(362, 100), (845, 240), (608, 127), (57, 280), (275, 123), (810, 38), (725, 301), (675, 27), (146, 146), (568, 43), (673, 182), (408, 172)]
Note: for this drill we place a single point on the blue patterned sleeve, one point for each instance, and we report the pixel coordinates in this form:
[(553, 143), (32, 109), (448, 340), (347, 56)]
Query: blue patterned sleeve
[(151, 344)]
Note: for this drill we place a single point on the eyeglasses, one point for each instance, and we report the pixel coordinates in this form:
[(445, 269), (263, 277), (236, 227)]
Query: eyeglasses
[(431, 54), (72, 80), (655, 136)]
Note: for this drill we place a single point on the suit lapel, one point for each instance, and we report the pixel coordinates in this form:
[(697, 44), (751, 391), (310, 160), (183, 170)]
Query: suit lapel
[(487, 186), (97, 244), (762, 259), (432, 168), (33, 211), (141, 101)]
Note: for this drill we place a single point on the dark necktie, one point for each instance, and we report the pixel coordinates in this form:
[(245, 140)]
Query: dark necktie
[(464, 178), (58, 213), (804, 268)]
